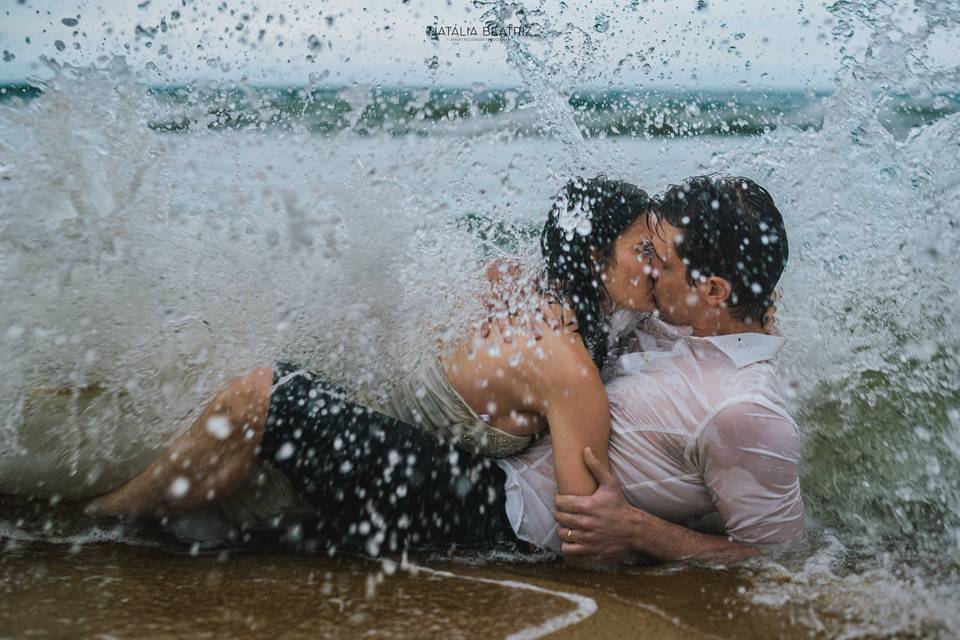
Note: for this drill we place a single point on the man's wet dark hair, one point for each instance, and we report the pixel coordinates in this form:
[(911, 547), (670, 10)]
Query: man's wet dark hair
[(577, 240), (732, 229)]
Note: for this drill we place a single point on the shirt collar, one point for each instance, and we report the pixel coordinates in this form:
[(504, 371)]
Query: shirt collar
[(745, 348)]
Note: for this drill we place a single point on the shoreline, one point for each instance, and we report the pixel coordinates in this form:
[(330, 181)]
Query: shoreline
[(122, 590)]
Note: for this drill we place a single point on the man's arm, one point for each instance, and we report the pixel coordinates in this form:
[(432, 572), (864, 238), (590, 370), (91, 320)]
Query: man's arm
[(749, 457), (607, 529)]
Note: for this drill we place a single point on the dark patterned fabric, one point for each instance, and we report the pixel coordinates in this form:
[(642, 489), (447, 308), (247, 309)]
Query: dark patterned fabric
[(378, 485)]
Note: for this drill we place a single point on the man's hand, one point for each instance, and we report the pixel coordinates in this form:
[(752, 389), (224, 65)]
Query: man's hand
[(600, 527), (604, 528)]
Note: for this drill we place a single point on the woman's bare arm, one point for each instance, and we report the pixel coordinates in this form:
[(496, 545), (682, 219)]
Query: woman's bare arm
[(575, 406), (565, 379)]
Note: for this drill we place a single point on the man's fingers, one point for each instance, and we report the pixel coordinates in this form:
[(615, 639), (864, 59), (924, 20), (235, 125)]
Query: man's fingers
[(579, 536), (602, 475), (574, 549), (571, 504), (572, 521)]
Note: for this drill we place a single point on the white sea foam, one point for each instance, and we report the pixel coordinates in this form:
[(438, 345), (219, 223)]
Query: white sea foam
[(13, 534), (585, 606)]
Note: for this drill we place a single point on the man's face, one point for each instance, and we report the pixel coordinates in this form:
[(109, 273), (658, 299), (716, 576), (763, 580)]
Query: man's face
[(678, 302)]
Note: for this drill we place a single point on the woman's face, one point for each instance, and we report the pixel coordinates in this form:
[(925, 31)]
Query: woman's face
[(627, 272)]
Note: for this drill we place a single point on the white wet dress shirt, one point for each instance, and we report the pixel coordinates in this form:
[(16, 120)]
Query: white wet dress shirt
[(698, 427)]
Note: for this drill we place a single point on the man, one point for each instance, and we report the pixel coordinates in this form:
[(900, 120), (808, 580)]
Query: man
[(698, 425)]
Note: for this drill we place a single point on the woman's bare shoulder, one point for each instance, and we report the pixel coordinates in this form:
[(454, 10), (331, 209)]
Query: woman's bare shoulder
[(504, 269), (561, 357), (515, 298), (532, 325)]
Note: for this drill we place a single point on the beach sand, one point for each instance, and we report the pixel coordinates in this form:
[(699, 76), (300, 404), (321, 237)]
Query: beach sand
[(121, 591)]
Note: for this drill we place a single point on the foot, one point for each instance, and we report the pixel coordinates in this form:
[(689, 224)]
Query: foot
[(98, 507), (108, 506)]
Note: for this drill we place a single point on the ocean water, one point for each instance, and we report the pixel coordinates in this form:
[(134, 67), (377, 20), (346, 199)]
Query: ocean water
[(155, 241)]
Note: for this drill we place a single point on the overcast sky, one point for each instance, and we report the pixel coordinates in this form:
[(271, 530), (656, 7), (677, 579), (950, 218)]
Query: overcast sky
[(663, 43)]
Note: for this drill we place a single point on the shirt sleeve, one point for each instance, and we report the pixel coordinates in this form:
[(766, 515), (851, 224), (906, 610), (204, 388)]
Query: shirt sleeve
[(749, 454)]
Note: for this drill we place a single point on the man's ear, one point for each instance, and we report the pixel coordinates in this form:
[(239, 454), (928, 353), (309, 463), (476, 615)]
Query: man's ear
[(716, 291)]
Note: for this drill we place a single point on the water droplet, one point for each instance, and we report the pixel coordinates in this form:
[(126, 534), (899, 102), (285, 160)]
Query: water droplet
[(179, 487), (285, 451), (219, 427), (14, 332), (954, 417)]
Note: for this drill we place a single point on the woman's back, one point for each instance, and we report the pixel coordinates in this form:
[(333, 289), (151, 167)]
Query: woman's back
[(530, 370), (500, 371)]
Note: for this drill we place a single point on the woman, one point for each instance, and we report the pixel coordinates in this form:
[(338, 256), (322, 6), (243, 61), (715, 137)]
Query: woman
[(489, 394), (495, 389)]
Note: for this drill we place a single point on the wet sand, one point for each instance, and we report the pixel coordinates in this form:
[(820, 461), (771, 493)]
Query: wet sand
[(52, 586), (121, 591)]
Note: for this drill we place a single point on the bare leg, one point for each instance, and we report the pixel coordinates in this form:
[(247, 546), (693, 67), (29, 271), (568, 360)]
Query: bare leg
[(214, 458)]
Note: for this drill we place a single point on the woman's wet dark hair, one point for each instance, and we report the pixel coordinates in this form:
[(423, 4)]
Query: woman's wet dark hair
[(577, 240)]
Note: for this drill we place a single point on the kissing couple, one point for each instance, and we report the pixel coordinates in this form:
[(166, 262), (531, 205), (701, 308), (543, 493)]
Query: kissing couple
[(621, 392)]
